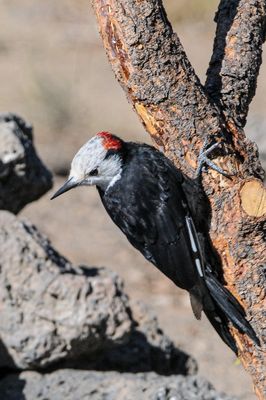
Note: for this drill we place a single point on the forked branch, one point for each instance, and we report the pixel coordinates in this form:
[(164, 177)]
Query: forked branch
[(152, 67)]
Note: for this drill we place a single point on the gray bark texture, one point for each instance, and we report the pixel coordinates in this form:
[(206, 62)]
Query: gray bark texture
[(237, 56), (181, 114), (23, 176), (88, 385)]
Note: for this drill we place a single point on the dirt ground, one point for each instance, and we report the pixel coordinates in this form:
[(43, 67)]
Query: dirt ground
[(54, 72)]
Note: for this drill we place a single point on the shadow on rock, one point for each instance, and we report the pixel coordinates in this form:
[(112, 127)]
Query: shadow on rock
[(12, 387), (147, 349), (138, 355), (11, 384)]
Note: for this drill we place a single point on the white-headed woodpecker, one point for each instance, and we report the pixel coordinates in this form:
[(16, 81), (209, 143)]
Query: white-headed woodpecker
[(142, 191)]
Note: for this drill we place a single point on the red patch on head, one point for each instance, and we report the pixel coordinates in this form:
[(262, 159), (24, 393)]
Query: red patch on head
[(110, 142)]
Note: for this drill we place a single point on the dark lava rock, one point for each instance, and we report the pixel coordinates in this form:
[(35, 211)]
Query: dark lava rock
[(56, 315), (51, 311), (23, 176)]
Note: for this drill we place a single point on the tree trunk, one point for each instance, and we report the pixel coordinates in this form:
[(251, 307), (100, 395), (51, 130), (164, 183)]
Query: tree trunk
[(179, 114)]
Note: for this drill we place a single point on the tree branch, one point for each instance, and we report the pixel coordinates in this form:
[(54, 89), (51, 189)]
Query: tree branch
[(150, 64), (237, 55)]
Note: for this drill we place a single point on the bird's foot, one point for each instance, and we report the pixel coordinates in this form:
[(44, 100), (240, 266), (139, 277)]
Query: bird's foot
[(204, 160)]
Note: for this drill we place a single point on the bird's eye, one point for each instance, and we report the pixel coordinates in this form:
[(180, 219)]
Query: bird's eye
[(94, 172)]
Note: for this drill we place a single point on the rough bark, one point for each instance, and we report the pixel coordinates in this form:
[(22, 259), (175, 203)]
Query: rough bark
[(237, 55), (151, 65)]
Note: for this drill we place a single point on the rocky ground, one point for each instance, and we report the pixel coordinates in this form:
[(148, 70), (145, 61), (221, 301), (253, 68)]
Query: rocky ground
[(53, 71), (84, 385)]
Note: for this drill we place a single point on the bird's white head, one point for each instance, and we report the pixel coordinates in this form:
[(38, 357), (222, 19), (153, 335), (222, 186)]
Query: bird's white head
[(98, 162)]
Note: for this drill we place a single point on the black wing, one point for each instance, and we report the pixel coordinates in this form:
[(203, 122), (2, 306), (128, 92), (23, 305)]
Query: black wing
[(149, 206)]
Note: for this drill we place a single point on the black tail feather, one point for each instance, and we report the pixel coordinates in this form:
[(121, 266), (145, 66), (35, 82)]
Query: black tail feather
[(230, 307), (220, 324)]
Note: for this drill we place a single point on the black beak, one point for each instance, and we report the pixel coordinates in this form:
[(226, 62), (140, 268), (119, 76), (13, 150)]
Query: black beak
[(70, 184)]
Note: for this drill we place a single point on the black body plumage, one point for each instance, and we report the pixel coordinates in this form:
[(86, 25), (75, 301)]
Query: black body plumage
[(142, 192), (150, 207)]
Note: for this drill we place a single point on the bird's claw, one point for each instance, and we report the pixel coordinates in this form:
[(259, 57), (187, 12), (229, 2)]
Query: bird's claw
[(204, 160)]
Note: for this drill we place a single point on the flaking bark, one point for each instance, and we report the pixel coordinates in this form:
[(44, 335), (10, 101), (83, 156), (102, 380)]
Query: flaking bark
[(152, 67), (237, 55)]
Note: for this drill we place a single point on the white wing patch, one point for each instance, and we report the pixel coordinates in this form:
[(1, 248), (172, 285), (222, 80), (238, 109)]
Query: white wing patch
[(199, 268), (194, 244)]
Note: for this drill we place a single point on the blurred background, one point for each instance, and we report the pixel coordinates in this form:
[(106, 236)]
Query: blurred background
[(54, 73)]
